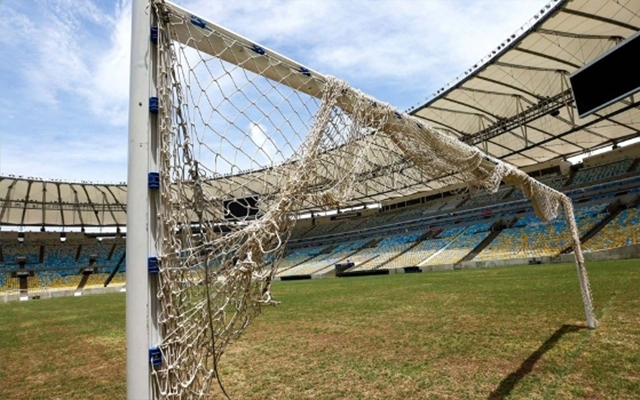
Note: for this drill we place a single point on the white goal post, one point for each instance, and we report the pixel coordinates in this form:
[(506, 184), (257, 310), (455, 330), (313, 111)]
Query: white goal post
[(228, 142)]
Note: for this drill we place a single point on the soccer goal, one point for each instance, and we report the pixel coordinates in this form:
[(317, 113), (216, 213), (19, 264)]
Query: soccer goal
[(228, 143)]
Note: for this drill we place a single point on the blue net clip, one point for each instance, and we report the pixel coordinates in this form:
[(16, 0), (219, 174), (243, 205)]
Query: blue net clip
[(199, 22), (419, 125), (398, 115), (155, 357), (152, 264), (154, 105), (304, 71), (154, 180), (258, 49), (154, 34)]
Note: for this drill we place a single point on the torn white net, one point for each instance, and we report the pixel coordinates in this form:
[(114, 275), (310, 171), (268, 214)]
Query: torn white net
[(248, 141)]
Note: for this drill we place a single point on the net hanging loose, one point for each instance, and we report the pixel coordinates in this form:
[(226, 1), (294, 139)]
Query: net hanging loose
[(245, 145)]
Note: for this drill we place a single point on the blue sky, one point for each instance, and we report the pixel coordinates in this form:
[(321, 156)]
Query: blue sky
[(64, 64)]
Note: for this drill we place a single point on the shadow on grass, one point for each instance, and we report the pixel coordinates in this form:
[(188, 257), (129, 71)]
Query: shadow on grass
[(507, 384)]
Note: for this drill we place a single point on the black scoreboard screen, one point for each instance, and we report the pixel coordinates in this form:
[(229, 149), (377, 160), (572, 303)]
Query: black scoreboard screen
[(611, 77)]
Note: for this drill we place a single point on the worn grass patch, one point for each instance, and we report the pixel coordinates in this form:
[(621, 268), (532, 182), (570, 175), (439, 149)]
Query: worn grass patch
[(492, 333)]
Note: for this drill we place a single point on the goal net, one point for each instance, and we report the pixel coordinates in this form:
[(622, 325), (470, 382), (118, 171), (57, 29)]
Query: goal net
[(247, 140)]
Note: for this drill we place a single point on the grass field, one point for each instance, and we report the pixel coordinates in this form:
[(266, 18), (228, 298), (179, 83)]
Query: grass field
[(493, 333)]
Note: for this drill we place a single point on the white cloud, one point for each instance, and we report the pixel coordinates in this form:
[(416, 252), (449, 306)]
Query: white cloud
[(265, 148), (54, 156), (108, 89), (66, 57)]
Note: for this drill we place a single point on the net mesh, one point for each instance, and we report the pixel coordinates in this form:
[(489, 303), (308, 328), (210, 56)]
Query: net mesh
[(247, 141)]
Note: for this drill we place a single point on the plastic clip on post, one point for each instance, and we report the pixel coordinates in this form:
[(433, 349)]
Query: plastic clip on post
[(154, 34), (154, 105), (155, 357), (199, 22), (258, 49), (305, 71), (152, 265), (154, 180)]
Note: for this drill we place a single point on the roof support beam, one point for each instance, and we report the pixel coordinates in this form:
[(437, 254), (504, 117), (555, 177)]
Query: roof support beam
[(26, 202), (538, 110), (578, 35), (105, 204), (489, 92), (77, 204), (518, 66), (546, 56), (60, 204), (484, 143), (515, 88), (7, 199), (95, 212), (569, 101), (446, 127), (452, 111), (600, 18), (122, 207), (44, 202), (577, 128), (480, 110)]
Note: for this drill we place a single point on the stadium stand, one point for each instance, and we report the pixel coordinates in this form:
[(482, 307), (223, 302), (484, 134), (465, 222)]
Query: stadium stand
[(387, 248), (53, 264), (395, 238), (599, 173), (441, 230), (624, 230), (459, 247), (531, 238), (487, 198)]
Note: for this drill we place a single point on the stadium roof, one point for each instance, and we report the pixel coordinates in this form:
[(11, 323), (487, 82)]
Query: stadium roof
[(516, 104), (519, 106), (28, 201)]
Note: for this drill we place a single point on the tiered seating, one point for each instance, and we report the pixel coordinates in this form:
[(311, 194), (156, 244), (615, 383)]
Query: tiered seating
[(376, 220), (424, 250), (531, 237), (322, 229), (96, 249), (59, 279), (12, 250), (117, 255), (298, 231), (372, 258), (297, 256), (324, 261), (58, 256), (624, 230), (60, 268), (555, 181), (450, 204), (349, 225), (414, 213), (461, 245), (594, 174), (486, 197)]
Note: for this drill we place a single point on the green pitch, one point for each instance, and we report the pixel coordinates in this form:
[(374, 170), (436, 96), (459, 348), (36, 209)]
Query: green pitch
[(494, 333)]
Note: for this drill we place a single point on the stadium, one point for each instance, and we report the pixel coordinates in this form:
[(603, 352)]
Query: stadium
[(425, 253)]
